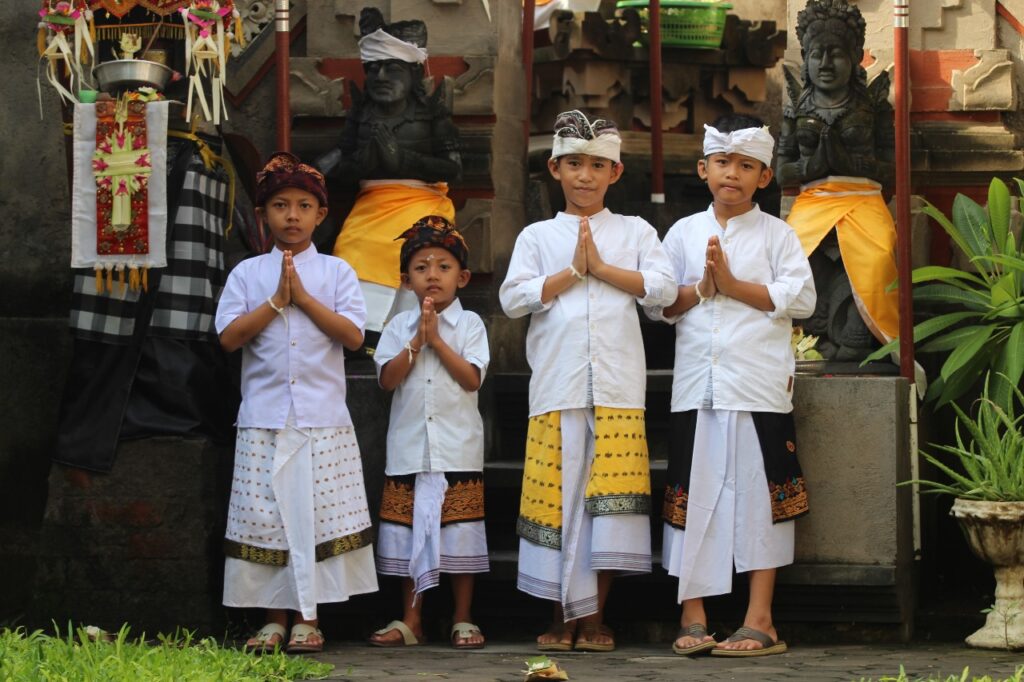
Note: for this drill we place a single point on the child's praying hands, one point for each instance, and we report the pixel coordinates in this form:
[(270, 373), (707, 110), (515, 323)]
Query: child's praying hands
[(718, 265), (594, 260), (579, 256), (428, 323), (283, 295)]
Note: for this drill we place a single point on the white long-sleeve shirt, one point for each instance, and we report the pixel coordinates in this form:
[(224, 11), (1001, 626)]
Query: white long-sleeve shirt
[(435, 423), (294, 363), (743, 352), (584, 346)]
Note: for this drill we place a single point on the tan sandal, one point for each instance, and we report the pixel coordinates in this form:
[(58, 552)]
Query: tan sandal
[(462, 632), (261, 642), (305, 639), (585, 638)]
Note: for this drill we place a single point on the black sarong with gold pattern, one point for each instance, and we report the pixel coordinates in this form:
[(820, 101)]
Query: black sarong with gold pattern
[(776, 433)]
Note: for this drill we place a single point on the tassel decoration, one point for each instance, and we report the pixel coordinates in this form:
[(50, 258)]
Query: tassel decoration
[(99, 279), (41, 39), (110, 280), (145, 279)]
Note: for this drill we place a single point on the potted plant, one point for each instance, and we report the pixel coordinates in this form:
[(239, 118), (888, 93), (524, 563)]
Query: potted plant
[(989, 491)]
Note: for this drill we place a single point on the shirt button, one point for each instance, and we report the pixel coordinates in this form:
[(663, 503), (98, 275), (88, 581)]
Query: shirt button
[(430, 419), (429, 380), (714, 361), (294, 342), (292, 380), (715, 330)]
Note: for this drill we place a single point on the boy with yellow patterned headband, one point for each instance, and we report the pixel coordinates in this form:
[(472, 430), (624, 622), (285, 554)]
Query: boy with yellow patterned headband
[(291, 311), (585, 506), (432, 510), (733, 478)]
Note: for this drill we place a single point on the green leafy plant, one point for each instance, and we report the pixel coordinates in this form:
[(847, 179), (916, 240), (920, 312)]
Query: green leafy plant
[(992, 454), (78, 655), (988, 330)]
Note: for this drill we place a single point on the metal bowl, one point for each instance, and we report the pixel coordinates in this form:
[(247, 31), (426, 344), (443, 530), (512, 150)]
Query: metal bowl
[(130, 74)]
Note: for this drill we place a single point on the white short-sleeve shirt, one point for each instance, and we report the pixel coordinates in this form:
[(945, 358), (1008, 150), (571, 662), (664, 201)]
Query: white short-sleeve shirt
[(293, 364), (435, 424), (584, 346), (745, 353)]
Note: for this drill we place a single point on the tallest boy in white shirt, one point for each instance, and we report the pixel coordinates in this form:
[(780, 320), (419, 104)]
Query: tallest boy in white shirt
[(584, 512), (734, 483)]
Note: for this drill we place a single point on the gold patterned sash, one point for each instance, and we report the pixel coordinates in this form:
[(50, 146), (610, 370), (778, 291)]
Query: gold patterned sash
[(279, 557)]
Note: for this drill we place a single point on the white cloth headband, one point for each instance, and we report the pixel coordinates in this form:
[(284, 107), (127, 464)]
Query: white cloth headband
[(380, 46), (606, 146), (757, 143)]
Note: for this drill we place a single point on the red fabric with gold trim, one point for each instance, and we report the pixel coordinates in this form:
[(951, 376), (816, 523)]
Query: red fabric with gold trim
[(135, 239)]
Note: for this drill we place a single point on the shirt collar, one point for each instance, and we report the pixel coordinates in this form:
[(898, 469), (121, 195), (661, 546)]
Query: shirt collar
[(307, 255), (598, 217), (452, 313), (751, 217)]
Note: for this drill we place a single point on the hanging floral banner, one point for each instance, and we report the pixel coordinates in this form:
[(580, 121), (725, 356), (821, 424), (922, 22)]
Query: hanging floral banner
[(66, 38), (210, 26)]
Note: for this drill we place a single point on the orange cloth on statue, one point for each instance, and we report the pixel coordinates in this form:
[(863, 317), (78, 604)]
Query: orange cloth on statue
[(380, 214), (867, 240)]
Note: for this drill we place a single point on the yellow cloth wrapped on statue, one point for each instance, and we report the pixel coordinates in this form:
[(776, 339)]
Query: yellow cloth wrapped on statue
[(383, 210), (619, 480), (867, 242)]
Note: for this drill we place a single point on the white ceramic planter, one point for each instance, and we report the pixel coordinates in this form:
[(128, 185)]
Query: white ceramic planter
[(995, 533)]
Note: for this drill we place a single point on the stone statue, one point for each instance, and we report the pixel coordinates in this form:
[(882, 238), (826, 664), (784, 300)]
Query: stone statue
[(400, 145), (837, 146)]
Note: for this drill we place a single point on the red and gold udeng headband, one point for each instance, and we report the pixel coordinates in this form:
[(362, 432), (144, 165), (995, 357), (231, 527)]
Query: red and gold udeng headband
[(284, 169)]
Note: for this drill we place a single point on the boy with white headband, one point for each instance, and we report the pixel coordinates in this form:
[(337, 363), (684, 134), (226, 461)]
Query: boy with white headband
[(734, 482), (585, 505)]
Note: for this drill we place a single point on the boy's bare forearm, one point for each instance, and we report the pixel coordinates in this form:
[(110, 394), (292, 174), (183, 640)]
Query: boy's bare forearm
[(333, 324), (397, 368), (686, 299), (246, 327), (753, 294), (465, 373), (630, 281), (556, 284)]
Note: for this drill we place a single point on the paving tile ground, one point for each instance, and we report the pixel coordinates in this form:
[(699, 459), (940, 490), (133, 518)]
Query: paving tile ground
[(502, 662)]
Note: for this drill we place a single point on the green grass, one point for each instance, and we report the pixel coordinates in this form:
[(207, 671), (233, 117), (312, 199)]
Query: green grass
[(965, 676), (32, 657)]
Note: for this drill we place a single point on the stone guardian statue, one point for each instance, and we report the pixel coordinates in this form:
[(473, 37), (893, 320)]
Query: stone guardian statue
[(837, 146), (400, 145)]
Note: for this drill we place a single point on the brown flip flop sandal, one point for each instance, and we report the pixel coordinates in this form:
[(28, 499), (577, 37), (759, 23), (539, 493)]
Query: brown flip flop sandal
[(769, 647), (697, 631)]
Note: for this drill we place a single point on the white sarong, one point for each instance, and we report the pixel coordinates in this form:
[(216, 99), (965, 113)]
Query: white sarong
[(295, 489)]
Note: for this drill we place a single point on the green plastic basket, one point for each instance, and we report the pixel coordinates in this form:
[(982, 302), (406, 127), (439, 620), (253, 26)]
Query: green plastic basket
[(685, 23)]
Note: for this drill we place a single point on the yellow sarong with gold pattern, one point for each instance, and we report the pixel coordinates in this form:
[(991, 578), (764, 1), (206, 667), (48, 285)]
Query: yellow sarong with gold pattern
[(619, 481), (867, 242), (381, 213)]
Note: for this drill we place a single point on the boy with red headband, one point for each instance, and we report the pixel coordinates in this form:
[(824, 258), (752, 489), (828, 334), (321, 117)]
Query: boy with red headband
[(298, 531)]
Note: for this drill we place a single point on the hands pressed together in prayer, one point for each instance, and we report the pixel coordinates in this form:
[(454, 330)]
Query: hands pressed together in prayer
[(426, 334), (717, 275), (586, 258), (289, 286)]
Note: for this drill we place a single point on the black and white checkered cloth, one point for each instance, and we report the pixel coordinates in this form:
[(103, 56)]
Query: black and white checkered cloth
[(186, 297)]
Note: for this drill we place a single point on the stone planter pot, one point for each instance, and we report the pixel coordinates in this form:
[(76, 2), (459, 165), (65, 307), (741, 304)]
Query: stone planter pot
[(995, 533)]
